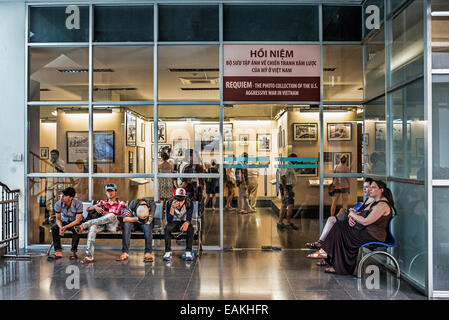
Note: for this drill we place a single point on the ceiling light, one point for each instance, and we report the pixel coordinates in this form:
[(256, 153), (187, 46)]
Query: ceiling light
[(55, 113)]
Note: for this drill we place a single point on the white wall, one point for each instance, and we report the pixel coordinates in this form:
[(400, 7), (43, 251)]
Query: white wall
[(12, 97)]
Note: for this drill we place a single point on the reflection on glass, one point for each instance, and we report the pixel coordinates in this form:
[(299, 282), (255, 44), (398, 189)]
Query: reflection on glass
[(342, 23), (343, 67), (189, 73), (350, 192), (121, 139), (375, 137), (43, 193), (408, 46), (440, 132), (55, 144), (58, 74), (123, 73), (375, 65), (410, 229), (372, 13), (408, 131), (440, 238)]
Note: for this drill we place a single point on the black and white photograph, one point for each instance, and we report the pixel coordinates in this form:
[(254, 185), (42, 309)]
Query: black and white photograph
[(160, 147), (131, 129), (77, 146), (179, 148), (244, 139), (161, 132), (140, 160), (339, 131), (207, 137), (305, 131), (143, 128), (130, 162), (263, 142), (44, 153), (337, 156)]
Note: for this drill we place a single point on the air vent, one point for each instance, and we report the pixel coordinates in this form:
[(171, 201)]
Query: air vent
[(199, 89), (194, 70)]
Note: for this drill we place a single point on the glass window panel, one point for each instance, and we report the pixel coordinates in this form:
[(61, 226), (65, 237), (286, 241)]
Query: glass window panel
[(408, 131), (55, 128), (334, 204), (440, 132), (375, 65), (379, 4), (440, 58), (122, 141), (59, 24), (375, 137), (189, 73), (58, 74), (440, 239), (188, 23), (43, 193), (342, 23), (408, 45), (410, 229), (440, 29), (343, 135), (123, 73), (183, 127), (271, 23), (343, 73), (393, 4), (123, 23)]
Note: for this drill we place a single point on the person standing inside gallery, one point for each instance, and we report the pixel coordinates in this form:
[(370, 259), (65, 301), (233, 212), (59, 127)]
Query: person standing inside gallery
[(286, 189), (54, 185), (253, 184), (212, 185), (165, 184), (229, 180), (241, 177), (341, 185)]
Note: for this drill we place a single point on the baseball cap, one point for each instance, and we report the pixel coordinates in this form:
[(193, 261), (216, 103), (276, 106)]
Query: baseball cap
[(142, 212), (110, 186), (179, 192), (69, 192)]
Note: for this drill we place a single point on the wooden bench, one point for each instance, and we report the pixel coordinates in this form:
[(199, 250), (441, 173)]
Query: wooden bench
[(158, 228)]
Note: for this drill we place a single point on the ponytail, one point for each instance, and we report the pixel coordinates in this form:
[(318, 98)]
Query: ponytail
[(386, 193)]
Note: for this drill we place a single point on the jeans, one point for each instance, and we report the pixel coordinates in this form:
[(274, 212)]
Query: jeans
[(57, 237), (175, 226), (108, 221), (129, 227)]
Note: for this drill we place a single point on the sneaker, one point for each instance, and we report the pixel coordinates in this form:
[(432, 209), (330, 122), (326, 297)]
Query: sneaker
[(167, 256), (188, 256)]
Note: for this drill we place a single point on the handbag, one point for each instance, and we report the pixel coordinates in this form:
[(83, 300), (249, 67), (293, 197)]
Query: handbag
[(331, 189)]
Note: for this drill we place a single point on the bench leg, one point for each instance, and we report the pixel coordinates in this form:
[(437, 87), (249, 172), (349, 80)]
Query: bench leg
[(362, 261), (49, 248)]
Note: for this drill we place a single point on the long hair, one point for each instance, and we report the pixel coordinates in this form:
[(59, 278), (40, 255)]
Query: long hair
[(386, 193)]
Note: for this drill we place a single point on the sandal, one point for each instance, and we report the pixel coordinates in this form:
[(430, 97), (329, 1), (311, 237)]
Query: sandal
[(54, 257), (320, 254), (314, 245), (123, 257), (86, 260), (329, 270), (73, 256), (148, 257), (322, 263)]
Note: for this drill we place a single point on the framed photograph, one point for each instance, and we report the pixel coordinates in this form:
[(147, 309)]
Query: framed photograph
[(308, 172), (104, 146), (263, 142), (339, 131), (305, 131), (44, 151), (381, 136), (420, 147), (244, 139), (161, 132), (143, 128), (131, 129), (159, 147), (179, 148), (130, 162), (337, 156), (77, 146), (140, 160), (366, 139), (207, 136)]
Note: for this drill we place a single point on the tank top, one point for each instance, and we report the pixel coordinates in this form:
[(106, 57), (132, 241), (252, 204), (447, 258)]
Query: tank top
[(378, 229)]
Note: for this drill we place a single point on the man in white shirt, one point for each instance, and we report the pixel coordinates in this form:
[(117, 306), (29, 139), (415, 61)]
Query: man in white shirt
[(253, 177), (286, 187)]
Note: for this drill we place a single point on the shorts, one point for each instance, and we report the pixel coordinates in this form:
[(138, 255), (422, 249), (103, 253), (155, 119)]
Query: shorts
[(342, 190), (290, 199), (212, 187)]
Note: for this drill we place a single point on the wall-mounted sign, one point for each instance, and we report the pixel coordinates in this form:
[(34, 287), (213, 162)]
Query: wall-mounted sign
[(271, 73)]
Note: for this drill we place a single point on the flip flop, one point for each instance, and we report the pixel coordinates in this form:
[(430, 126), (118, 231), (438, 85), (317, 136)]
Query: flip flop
[(122, 258), (327, 270), (86, 260), (148, 258), (320, 254)]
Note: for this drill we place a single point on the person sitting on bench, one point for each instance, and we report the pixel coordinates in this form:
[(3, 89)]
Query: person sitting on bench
[(138, 217), (103, 216), (179, 212), (69, 212)]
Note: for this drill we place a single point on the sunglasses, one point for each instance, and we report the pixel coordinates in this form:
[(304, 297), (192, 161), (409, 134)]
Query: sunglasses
[(178, 198)]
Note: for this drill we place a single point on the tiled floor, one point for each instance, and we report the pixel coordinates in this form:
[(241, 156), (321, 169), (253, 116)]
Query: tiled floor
[(215, 275)]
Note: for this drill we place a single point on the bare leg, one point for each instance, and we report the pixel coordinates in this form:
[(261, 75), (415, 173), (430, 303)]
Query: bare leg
[(282, 214), (289, 213), (345, 197), (214, 199), (334, 203), (327, 227)]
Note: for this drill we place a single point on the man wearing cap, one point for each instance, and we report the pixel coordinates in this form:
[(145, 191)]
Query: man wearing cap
[(179, 217), (69, 212), (139, 216), (109, 210)]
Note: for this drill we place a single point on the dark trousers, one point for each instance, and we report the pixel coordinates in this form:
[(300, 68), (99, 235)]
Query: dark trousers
[(129, 227), (175, 226), (57, 237)]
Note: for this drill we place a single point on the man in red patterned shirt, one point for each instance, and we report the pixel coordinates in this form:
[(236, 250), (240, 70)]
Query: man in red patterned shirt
[(111, 211)]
